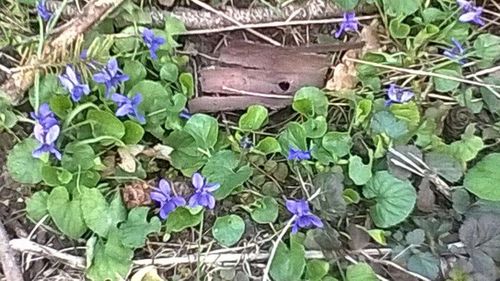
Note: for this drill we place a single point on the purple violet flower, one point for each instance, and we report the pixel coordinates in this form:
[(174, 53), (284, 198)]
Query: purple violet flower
[(203, 192), (152, 42), (397, 94), (184, 114), (457, 52), (246, 142), (304, 217), (470, 13), (111, 76), (297, 154), (129, 106), (45, 117), (42, 10), (46, 138), (71, 82), (163, 196), (349, 23)]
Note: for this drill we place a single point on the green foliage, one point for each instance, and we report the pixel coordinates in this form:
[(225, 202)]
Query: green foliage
[(268, 145), (55, 176), (105, 124), (204, 129), (425, 264), (227, 230), (254, 118), (385, 122), (36, 205), (66, 214), (444, 85), (288, 263), (183, 218), (136, 228), (222, 168), (407, 112), (486, 47), (347, 5), (401, 7), (310, 101), (394, 198), (133, 132), (398, 29), (482, 178), (359, 172), (316, 270), (98, 214), (294, 136), (78, 157), (315, 127), (264, 210), (337, 143), (111, 260), (22, 166), (360, 272)]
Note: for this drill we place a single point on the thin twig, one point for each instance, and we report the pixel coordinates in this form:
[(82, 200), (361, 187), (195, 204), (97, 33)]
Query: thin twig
[(221, 14), (395, 265), (423, 73), (272, 25), (10, 268)]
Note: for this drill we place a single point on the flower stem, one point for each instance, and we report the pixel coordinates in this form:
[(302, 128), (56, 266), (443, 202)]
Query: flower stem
[(198, 266)]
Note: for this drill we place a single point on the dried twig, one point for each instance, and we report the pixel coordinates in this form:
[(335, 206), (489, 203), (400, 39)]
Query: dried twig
[(204, 19), (10, 268)]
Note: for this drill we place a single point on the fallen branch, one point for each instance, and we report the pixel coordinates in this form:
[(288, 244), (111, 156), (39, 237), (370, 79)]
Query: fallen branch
[(10, 268), (204, 19), (66, 35), (27, 246)]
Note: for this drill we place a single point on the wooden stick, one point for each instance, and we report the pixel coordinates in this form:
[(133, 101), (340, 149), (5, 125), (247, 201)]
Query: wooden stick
[(10, 268)]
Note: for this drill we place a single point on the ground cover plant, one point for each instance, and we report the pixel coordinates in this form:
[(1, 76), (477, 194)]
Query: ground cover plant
[(389, 172)]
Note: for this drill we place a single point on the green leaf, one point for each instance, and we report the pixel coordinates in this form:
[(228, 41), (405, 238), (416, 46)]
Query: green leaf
[(155, 97), (347, 5), (204, 129), (293, 136), (135, 229), (186, 156), (187, 84), (360, 272), (56, 176), (444, 165), (384, 122), (481, 180), (78, 157), (36, 205), (415, 237), (135, 71), (310, 101), (316, 270), (359, 172), (268, 145), (112, 260), (254, 118), (444, 85), (66, 214), (330, 201), (315, 128), (401, 7), (22, 166), (407, 112), (133, 132), (351, 196), (398, 29), (99, 216), (486, 47), (425, 264), (432, 14), (363, 110), (61, 105), (288, 263), (49, 87), (465, 149), (221, 168), (265, 210), (337, 143), (424, 35), (105, 124), (378, 235), (169, 72), (227, 230), (394, 198), (181, 218)]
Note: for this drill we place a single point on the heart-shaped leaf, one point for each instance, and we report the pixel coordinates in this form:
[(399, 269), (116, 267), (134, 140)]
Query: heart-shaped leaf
[(66, 213), (228, 230)]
